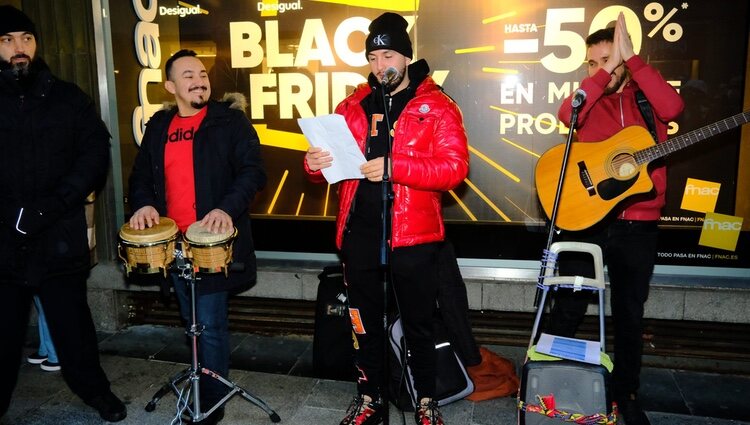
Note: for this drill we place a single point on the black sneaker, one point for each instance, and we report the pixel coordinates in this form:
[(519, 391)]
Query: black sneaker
[(629, 409), (427, 413), (36, 358), (49, 366), (364, 411), (110, 408)]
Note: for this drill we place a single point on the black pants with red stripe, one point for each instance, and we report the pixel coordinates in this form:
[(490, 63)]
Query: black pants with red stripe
[(414, 272)]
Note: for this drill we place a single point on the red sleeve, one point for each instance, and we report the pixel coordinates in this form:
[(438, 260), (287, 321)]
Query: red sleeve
[(594, 88), (664, 99)]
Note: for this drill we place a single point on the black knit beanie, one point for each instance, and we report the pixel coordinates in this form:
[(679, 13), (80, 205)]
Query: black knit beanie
[(388, 31), (13, 20)]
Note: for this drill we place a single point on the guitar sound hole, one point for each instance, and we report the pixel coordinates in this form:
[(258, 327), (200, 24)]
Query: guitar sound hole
[(624, 166)]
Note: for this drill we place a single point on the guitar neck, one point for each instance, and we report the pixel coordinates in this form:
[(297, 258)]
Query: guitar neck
[(673, 145)]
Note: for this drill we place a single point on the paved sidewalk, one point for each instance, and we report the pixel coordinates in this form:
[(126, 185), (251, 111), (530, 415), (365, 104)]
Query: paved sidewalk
[(133, 360)]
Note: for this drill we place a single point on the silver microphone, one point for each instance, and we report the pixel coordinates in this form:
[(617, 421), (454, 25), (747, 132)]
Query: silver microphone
[(389, 75), (579, 96)]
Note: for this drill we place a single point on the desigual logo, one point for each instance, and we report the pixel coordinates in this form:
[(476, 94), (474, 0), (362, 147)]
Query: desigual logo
[(279, 7), (182, 10)]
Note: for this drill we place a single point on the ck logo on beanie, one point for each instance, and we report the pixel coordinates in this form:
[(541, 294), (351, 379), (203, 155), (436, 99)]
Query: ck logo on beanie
[(381, 40), (388, 31)]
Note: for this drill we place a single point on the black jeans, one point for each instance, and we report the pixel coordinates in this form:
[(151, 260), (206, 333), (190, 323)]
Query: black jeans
[(415, 276), (70, 325), (629, 249)]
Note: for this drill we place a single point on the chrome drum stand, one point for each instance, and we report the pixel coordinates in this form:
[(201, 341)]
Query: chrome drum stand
[(190, 377)]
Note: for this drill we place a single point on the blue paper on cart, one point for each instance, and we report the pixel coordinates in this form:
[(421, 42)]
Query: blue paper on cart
[(580, 350)]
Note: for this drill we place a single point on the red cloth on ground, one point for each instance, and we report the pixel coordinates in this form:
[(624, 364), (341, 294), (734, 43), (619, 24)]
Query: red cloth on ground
[(493, 378)]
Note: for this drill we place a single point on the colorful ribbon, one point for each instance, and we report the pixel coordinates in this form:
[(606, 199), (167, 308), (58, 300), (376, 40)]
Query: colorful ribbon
[(546, 407)]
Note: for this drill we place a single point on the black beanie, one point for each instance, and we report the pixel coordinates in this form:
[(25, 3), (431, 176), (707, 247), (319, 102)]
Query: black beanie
[(13, 20), (388, 31)]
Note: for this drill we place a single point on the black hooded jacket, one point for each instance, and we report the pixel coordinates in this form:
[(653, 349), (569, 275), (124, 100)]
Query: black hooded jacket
[(54, 151), (228, 173)]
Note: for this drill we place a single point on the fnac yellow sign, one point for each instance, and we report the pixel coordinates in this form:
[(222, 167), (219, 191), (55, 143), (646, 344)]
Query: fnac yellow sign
[(720, 231)]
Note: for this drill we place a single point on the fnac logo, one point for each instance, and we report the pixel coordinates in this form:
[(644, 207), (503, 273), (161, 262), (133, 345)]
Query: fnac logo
[(700, 195), (720, 231), (274, 7)]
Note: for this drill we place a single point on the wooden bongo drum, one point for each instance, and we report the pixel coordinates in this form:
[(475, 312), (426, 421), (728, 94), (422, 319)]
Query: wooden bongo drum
[(209, 252), (150, 250)]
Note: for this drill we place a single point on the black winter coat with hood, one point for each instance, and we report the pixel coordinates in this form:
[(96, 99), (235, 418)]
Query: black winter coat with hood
[(228, 172), (54, 151)]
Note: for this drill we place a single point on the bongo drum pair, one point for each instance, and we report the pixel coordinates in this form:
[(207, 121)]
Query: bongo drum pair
[(152, 250)]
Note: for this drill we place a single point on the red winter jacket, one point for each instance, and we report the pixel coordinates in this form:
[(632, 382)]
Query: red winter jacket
[(603, 116), (429, 154)]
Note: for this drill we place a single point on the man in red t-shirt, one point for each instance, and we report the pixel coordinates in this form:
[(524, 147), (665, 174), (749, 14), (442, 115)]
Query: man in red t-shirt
[(200, 161)]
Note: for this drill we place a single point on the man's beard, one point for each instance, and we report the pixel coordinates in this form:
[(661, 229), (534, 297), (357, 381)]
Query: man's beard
[(19, 69), (199, 105), (612, 88), (25, 72), (395, 82)]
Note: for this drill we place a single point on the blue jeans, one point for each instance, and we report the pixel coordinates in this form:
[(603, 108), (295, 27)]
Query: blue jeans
[(213, 342), (46, 347)]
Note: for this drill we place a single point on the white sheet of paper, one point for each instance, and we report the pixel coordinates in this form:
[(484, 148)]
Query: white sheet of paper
[(569, 348), (331, 133)]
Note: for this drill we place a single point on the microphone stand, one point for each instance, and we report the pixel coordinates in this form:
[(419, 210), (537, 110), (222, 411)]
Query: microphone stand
[(385, 264), (555, 205)]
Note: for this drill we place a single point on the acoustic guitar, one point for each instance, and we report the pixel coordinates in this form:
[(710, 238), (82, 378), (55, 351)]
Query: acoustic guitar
[(601, 174)]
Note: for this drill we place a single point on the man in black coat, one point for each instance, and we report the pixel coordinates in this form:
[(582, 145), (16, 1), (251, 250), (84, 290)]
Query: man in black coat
[(54, 151), (199, 162)]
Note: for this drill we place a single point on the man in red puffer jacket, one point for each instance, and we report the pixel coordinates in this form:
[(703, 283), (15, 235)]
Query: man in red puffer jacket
[(429, 155)]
